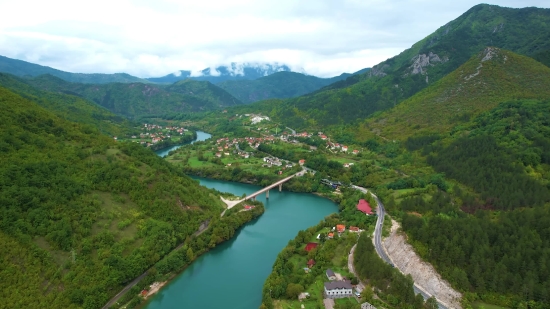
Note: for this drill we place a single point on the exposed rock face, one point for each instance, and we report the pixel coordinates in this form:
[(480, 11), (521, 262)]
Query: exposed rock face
[(378, 70), (424, 275), (422, 61)]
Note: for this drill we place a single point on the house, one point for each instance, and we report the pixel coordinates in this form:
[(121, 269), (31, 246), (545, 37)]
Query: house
[(144, 293), (310, 263), (340, 228), (330, 274), (302, 162), (354, 229), (338, 289), (310, 246), (330, 235), (345, 148), (355, 151), (248, 207), (364, 206)]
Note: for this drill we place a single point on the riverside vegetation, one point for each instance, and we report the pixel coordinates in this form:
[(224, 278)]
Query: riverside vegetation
[(82, 215), (453, 136)]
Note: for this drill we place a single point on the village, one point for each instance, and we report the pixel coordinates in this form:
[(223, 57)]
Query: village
[(152, 134), (324, 257)]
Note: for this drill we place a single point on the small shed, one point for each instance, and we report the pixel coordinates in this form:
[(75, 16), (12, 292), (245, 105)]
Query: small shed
[(310, 263), (330, 274)]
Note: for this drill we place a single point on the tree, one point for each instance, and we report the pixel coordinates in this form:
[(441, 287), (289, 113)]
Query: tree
[(431, 303), (293, 290)]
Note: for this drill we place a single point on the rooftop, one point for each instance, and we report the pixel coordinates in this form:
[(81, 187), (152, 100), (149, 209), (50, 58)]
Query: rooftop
[(338, 285)]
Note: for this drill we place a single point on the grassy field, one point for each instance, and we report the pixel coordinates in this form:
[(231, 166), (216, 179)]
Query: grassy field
[(482, 305)]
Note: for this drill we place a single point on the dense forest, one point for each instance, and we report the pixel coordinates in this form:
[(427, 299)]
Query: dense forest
[(82, 215), (495, 249)]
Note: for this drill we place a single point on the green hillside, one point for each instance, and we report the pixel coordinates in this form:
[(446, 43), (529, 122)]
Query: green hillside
[(525, 31), (70, 107), (81, 215), (138, 99), (487, 79), (23, 68), (278, 85), (204, 90)]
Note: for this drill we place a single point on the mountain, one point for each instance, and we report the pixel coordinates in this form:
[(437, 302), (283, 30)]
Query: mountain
[(82, 215), (26, 69), (204, 90), (139, 99), (525, 31), (70, 107), (487, 79), (235, 71), (278, 85)]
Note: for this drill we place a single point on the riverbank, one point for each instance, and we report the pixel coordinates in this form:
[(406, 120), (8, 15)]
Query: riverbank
[(184, 254), (247, 257)]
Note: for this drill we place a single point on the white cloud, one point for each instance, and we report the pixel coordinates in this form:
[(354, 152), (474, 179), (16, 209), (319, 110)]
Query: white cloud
[(147, 38)]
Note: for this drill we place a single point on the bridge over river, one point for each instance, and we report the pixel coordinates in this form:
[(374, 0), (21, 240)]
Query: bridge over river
[(230, 203)]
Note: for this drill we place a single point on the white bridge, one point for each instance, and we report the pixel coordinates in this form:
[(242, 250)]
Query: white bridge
[(230, 204)]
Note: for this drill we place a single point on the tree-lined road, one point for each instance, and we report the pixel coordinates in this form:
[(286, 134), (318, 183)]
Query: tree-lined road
[(381, 212)]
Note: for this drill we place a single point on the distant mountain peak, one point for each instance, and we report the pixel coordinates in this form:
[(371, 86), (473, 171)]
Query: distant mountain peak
[(232, 71)]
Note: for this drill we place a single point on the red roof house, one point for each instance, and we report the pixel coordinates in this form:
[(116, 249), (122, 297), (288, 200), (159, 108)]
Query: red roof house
[(354, 229), (311, 245), (340, 228), (310, 263), (364, 207)]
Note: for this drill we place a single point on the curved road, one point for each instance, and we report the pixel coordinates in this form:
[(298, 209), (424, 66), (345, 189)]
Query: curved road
[(381, 212)]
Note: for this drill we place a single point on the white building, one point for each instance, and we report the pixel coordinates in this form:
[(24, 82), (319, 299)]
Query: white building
[(257, 119), (338, 289)]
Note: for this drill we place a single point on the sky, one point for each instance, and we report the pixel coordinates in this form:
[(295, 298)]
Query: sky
[(152, 38)]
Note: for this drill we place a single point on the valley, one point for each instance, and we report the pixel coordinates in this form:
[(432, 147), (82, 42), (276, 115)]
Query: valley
[(430, 169)]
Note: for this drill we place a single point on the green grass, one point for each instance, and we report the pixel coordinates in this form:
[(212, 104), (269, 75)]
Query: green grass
[(481, 305)]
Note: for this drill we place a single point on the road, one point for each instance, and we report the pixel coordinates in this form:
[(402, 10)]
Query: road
[(381, 212), (138, 279)]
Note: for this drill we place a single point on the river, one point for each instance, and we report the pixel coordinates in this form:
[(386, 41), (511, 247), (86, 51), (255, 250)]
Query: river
[(201, 136), (232, 274)]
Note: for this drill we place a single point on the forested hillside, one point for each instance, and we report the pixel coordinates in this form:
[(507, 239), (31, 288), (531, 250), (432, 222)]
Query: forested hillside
[(81, 215), (489, 238), (525, 31), (488, 78), (138, 99), (279, 85), (70, 107), (26, 69)]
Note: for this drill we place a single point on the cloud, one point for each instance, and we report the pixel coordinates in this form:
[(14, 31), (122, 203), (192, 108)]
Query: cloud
[(146, 38)]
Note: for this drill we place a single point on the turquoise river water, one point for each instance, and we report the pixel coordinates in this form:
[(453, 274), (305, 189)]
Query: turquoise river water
[(232, 274)]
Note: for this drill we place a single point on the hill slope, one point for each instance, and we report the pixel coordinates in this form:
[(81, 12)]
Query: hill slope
[(23, 68), (525, 31), (137, 99), (489, 78), (81, 215), (205, 91), (278, 85), (70, 107)]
